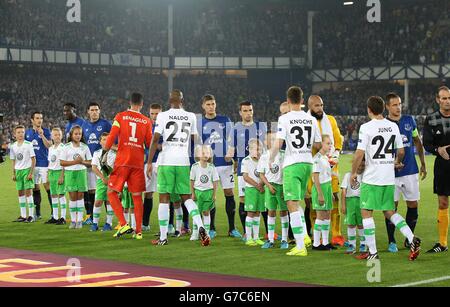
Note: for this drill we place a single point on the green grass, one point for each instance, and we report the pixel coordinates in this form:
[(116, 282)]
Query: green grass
[(227, 255)]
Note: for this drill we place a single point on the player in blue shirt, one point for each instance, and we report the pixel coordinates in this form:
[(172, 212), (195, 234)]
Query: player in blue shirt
[(151, 183), (92, 131), (41, 140), (238, 140), (71, 116), (214, 131), (407, 178)]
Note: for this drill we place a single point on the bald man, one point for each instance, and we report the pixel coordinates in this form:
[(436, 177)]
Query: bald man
[(329, 126)]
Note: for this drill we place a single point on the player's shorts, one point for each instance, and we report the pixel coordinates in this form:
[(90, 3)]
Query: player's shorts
[(204, 200), (22, 183), (335, 186), (295, 178), (275, 201), (327, 195), (353, 216), (241, 186), (40, 175), (174, 180), (376, 197), (101, 191), (53, 177), (127, 199), (75, 181), (134, 177), (226, 176), (151, 183), (254, 200), (92, 179), (175, 198), (408, 186), (441, 184)]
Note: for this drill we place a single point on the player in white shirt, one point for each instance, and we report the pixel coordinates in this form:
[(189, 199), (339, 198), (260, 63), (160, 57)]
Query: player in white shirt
[(322, 195), (102, 184), (204, 182), (300, 132), (351, 208), (23, 163), (273, 194), (379, 142), (178, 128), (254, 192), (56, 178), (75, 159)]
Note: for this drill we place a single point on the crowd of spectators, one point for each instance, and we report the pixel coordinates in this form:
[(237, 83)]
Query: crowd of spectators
[(409, 33)]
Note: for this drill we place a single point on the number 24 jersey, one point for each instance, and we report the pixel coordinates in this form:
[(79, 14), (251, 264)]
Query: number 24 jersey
[(176, 127)]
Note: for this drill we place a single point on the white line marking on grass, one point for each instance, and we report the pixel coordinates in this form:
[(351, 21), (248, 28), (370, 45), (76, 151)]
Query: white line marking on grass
[(422, 282)]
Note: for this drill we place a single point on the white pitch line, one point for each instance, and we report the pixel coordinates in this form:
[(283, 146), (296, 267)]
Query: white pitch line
[(422, 282)]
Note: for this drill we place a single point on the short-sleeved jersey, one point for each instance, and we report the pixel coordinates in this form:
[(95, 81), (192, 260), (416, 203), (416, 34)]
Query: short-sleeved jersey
[(408, 131), (92, 133), (274, 174), (40, 150), (215, 132), (299, 131), (241, 135), (351, 191), (250, 167), (110, 159), (76, 122), (176, 127), (71, 153), (322, 166), (134, 132), (204, 177), (155, 157), (54, 157), (436, 133), (379, 139), (21, 154)]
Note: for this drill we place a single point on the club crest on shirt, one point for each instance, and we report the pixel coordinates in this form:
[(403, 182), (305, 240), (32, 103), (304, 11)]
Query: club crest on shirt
[(53, 158), (408, 127), (204, 179), (256, 173), (20, 157), (355, 186), (76, 156), (274, 169), (99, 128)]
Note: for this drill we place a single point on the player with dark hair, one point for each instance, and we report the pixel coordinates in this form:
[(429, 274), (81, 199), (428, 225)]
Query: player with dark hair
[(436, 139), (71, 116)]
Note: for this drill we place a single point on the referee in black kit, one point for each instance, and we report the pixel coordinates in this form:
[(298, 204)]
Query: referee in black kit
[(436, 140)]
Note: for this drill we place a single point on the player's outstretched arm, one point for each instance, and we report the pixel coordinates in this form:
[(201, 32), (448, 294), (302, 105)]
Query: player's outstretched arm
[(152, 151), (275, 150), (421, 152)]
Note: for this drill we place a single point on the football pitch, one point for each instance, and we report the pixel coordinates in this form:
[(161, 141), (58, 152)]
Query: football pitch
[(230, 256)]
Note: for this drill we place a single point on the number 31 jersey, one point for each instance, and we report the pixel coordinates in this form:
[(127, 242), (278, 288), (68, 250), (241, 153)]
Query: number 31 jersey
[(300, 131), (379, 138), (176, 127)]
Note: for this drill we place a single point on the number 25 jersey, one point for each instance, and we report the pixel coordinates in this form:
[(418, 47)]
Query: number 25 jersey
[(379, 138), (176, 127), (300, 131), (134, 131)]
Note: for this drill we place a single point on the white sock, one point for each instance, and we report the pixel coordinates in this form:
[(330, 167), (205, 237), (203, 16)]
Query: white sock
[(302, 214), (271, 228), (206, 222), (80, 205), (298, 229), (256, 222), (127, 217), (30, 202), (400, 223), (62, 202), (55, 210), (248, 227), (73, 210), (133, 221), (23, 206), (192, 208), (284, 228), (317, 232), (109, 214), (351, 234), (96, 213), (178, 218), (369, 234), (325, 232), (163, 217), (362, 238)]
